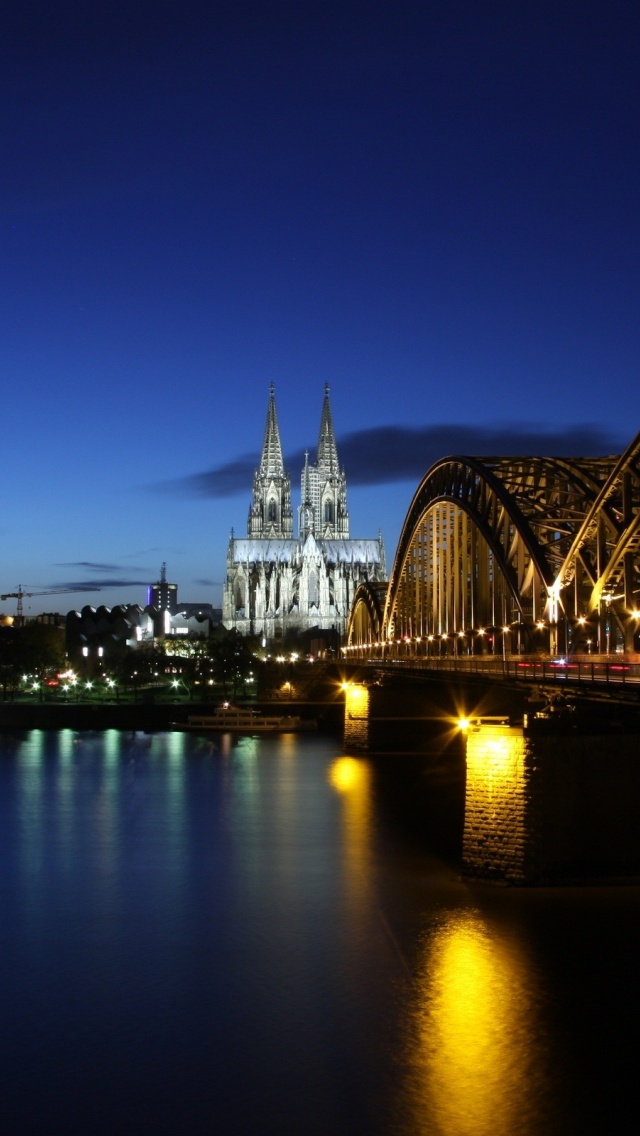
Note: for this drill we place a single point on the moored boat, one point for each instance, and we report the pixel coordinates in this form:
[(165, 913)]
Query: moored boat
[(242, 720)]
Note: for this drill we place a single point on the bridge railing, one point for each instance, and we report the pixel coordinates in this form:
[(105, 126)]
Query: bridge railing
[(611, 670)]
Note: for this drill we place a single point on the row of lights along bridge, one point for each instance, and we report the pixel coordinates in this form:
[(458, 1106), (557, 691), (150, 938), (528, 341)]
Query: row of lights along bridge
[(493, 640)]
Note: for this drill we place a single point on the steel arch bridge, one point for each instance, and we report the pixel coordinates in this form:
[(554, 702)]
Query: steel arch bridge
[(514, 554)]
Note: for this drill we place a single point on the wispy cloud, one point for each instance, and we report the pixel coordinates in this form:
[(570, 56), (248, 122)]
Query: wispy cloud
[(387, 454), (115, 578), (222, 481), (90, 565), (88, 585)]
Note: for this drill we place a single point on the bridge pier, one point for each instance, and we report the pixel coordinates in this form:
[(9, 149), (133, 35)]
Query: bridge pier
[(547, 805), (548, 800)]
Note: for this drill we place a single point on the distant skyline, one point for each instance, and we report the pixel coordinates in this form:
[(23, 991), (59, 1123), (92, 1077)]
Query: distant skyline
[(433, 208)]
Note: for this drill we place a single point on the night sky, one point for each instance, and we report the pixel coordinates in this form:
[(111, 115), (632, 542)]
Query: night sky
[(433, 207)]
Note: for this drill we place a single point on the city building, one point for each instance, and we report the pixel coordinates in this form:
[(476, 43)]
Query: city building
[(97, 634), (162, 595), (279, 584), (171, 618)]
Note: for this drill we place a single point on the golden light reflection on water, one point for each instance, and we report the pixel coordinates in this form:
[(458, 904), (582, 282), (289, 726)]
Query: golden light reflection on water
[(474, 1033), (351, 779), (349, 776)]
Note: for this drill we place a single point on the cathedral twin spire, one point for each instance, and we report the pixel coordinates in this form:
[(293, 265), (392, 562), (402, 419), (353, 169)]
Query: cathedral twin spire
[(323, 510), (327, 450), (271, 463), (324, 487), (270, 514)]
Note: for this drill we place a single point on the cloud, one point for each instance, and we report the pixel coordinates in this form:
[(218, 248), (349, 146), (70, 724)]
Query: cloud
[(95, 585), (383, 455), (389, 454), (91, 565), (223, 481), (114, 580)]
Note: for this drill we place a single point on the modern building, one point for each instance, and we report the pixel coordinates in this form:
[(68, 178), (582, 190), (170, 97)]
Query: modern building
[(171, 618), (162, 595), (277, 583), (99, 633)]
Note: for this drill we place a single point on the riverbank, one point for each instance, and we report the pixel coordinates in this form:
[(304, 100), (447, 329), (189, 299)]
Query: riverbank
[(146, 716)]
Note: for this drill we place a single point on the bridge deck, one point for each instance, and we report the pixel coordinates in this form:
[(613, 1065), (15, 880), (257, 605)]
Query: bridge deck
[(605, 676)]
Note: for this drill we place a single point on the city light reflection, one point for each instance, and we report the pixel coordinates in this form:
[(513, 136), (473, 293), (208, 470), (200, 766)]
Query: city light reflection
[(351, 779), (475, 1032)]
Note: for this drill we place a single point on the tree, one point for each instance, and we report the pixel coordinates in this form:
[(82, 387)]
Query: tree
[(37, 649), (9, 668), (234, 661)]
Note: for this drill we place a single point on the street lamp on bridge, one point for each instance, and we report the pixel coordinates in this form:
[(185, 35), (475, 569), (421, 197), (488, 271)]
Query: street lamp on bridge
[(505, 631)]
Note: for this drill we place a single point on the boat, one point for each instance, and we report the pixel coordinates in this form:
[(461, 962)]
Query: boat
[(243, 720)]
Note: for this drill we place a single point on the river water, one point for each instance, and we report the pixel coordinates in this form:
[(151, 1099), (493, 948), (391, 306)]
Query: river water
[(271, 936)]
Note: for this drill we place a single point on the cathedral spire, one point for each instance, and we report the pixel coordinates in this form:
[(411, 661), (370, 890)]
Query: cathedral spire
[(271, 463), (270, 514), (327, 450), (324, 486)]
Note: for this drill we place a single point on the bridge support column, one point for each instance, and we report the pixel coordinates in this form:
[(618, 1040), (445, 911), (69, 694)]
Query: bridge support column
[(496, 842), (550, 806)]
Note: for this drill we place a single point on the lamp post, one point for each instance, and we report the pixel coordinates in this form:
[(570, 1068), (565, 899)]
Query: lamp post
[(505, 631), (607, 597)]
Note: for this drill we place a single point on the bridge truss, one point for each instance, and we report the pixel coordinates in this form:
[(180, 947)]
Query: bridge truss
[(514, 554)]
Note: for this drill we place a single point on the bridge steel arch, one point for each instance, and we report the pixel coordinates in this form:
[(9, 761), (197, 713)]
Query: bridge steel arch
[(483, 550), (602, 565), (365, 618)]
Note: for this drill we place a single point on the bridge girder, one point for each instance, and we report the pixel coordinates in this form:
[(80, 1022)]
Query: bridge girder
[(497, 542), (516, 542), (603, 562), (365, 618)]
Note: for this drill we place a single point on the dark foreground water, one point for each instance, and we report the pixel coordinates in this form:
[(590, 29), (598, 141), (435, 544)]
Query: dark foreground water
[(262, 936)]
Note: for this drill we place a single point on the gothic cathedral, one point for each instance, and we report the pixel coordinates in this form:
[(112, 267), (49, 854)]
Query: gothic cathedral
[(279, 584)]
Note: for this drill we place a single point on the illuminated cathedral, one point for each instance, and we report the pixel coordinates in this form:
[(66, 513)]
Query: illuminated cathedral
[(278, 583)]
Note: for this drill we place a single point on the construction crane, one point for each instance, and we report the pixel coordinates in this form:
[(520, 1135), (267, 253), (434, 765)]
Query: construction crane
[(20, 594)]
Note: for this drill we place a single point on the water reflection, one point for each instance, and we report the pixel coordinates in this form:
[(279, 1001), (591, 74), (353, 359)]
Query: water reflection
[(474, 1032), (351, 779), (207, 935)]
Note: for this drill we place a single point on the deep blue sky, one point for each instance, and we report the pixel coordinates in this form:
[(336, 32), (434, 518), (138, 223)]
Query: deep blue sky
[(433, 207)]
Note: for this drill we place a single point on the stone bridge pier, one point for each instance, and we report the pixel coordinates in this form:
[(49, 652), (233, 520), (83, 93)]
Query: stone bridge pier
[(545, 799), (545, 804)]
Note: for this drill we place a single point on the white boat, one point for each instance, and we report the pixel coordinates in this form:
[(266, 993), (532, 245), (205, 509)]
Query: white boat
[(242, 720)]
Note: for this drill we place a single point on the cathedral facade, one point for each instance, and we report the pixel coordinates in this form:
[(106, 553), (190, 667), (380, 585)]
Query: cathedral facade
[(278, 583)]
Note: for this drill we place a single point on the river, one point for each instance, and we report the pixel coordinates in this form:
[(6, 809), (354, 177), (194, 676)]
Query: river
[(270, 936)]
